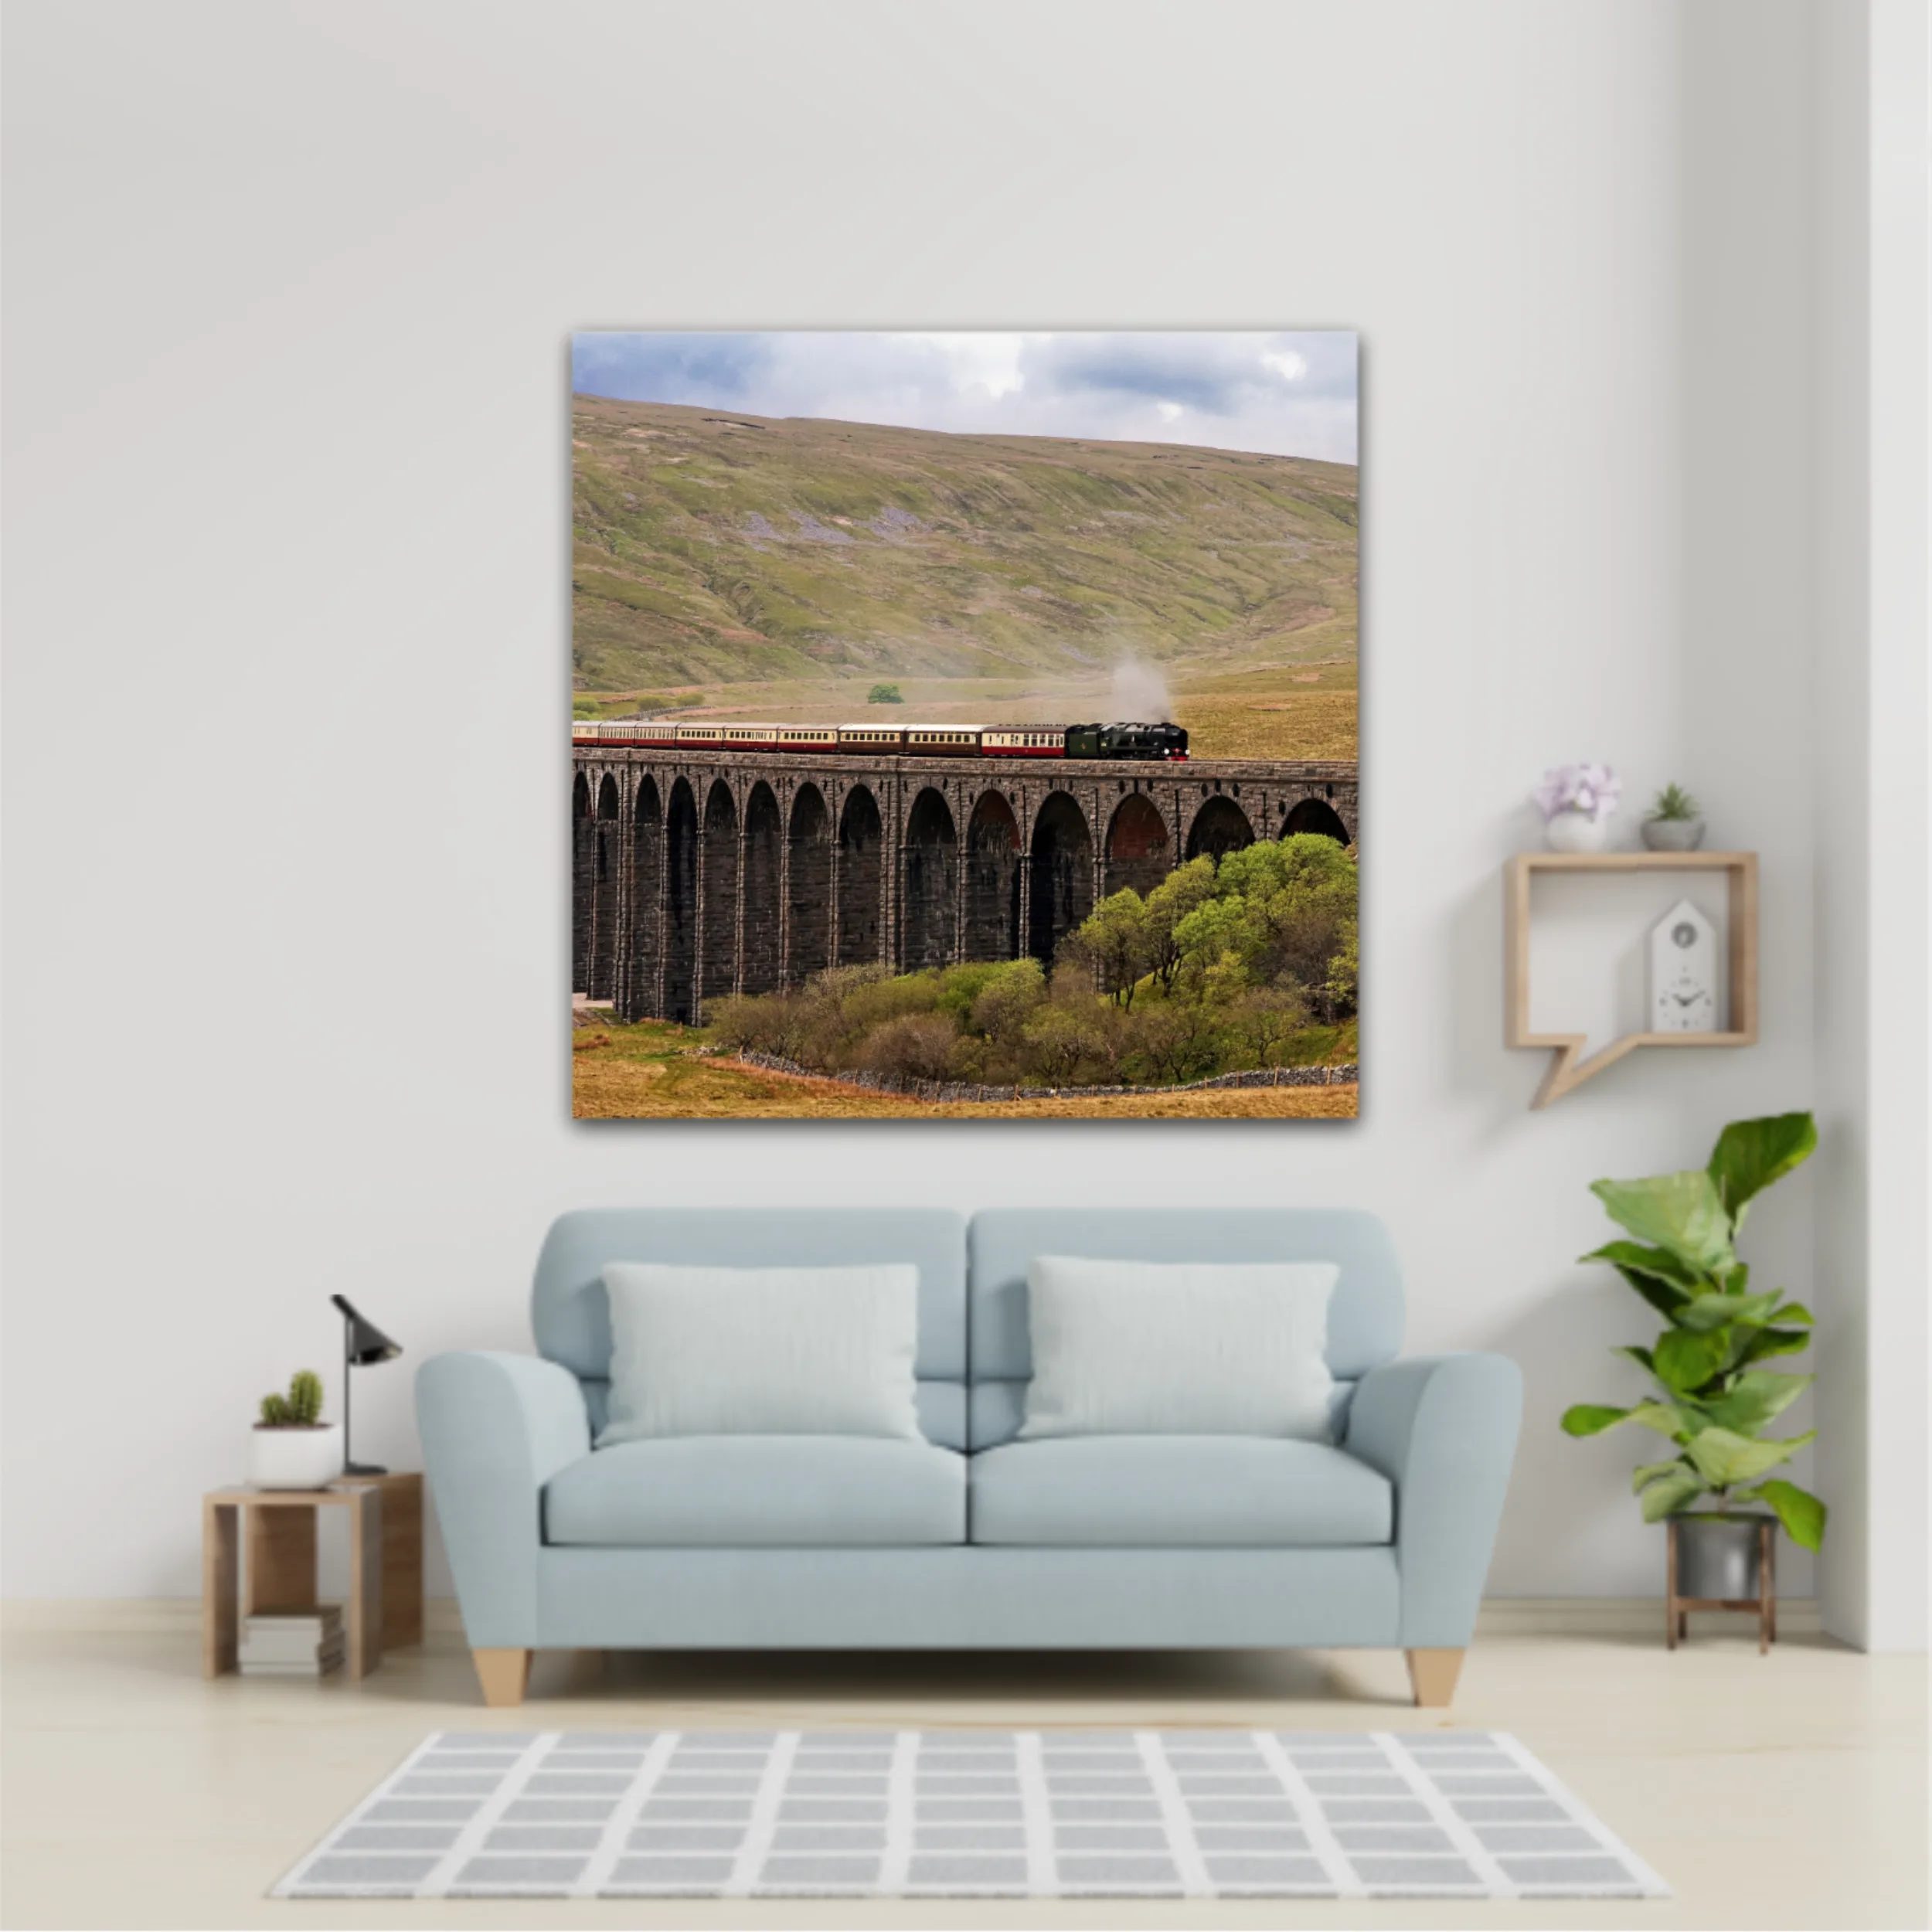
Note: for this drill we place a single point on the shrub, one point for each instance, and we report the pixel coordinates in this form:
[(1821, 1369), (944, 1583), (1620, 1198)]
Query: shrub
[(916, 1046), (872, 1004), (960, 987), (1003, 1007), (740, 1021)]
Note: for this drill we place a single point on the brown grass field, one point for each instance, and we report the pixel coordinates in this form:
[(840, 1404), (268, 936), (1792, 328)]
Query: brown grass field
[(1290, 709), (649, 1071)]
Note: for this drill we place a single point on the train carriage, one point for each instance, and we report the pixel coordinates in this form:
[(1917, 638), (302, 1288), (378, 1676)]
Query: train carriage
[(1162, 743), (1024, 741), (952, 741)]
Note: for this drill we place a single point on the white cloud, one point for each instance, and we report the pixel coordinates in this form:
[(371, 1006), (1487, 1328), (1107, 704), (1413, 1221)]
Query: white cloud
[(1290, 394), (984, 360)]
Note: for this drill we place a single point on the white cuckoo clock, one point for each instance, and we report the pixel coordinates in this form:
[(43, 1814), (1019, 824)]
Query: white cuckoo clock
[(1683, 972)]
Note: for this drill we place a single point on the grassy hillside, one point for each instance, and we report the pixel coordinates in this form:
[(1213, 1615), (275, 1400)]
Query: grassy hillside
[(714, 550)]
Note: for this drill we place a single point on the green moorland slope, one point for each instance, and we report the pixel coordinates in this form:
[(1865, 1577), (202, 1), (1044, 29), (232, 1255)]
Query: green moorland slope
[(715, 550)]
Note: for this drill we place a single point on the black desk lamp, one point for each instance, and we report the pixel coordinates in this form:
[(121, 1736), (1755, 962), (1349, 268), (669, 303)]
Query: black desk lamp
[(364, 1345)]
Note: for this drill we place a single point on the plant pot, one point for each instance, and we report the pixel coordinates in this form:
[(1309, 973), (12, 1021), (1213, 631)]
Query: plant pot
[(298, 1458), (1576, 831), (1673, 834), (1717, 1557)]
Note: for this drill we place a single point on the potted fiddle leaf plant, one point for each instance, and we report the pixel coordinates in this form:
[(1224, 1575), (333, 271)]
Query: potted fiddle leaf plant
[(1715, 1398)]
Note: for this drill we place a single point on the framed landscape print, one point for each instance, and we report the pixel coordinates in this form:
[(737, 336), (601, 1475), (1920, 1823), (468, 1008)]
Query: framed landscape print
[(964, 725)]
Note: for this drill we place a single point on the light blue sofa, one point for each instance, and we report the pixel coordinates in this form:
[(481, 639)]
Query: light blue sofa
[(971, 1539)]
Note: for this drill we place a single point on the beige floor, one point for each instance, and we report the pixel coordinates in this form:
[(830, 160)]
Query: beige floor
[(1785, 1791)]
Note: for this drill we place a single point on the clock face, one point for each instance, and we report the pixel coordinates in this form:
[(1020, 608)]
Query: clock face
[(1685, 1005)]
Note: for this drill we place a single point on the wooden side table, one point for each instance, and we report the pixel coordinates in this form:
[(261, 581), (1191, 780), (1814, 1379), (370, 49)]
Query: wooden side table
[(385, 1606), (1676, 1608)]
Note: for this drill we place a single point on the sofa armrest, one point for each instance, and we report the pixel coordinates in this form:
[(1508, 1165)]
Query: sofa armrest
[(1443, 1430), (495, 1428)]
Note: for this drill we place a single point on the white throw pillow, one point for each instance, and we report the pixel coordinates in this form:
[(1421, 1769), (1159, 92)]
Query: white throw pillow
[(761, 1351), (1198, 1349)]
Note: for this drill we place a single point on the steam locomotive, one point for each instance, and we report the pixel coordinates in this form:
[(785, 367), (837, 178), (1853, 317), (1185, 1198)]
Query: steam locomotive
[(1164, 742)]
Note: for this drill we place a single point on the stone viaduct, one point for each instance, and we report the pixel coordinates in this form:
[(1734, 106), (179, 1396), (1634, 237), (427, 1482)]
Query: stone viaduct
[(698, 875)]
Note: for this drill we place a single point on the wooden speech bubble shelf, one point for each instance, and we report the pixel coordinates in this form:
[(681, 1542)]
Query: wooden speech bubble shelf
[(1568, 1068)]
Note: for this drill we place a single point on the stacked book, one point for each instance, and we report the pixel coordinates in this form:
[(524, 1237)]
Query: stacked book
[(291, 1643)]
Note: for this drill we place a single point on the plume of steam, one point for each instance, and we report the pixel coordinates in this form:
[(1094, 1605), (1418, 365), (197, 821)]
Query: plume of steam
[(1140, 695)]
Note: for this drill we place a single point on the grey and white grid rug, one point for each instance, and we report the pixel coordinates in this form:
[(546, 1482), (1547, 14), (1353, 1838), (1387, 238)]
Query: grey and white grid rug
[(963, 1813)]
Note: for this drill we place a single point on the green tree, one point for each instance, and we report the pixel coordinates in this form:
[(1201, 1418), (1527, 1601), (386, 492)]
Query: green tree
[(1117, 941), (1171, 1040), (884, 694), (1058, 1037), (1265, 1019), (1170, 902), (1283, 907), (1338, 995)]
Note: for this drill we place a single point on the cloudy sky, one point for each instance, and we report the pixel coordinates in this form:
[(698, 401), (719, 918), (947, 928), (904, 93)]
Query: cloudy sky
[(1292, 394)]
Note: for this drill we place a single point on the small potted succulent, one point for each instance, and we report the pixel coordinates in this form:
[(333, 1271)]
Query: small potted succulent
[(1576, 802), (1715, 1397), (1675, 823), (292, 1447)]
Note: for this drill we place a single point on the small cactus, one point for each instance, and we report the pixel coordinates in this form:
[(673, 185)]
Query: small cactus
[(301, 1408), (305, 1398)]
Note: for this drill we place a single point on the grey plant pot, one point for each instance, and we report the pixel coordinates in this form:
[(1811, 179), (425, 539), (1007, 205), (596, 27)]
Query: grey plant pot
[(1673, 834), (1717, 1557)]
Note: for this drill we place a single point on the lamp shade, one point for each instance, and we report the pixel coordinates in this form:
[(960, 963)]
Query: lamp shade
[(366, 1344)]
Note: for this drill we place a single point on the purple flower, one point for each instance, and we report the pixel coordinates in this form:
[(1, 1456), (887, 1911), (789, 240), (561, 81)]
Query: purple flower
[(1591, 789)]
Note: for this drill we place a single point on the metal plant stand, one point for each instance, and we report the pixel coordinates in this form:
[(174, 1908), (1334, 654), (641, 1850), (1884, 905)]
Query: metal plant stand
[(1677, 1609)]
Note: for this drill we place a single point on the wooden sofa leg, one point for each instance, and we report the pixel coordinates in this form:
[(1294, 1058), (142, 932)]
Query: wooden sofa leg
[(505, 1675), (1432, 1675)]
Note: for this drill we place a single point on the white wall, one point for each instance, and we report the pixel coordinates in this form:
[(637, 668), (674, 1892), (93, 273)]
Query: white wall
[(1868, 307), (284, 773)]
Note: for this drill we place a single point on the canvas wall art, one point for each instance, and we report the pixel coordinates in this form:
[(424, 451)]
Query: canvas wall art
[(964, 725)]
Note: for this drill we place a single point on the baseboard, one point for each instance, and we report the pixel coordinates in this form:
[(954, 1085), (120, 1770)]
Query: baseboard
[(1613, 1616), (1500, 1616), (132, 1616)]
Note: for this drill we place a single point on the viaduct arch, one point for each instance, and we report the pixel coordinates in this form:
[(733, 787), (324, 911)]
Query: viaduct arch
[(697, 875)]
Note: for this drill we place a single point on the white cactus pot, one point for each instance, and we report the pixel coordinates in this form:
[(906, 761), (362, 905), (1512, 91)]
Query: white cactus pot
[(295, 1458)]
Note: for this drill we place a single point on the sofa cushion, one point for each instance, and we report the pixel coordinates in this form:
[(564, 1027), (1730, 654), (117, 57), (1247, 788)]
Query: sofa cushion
[(801, 1490), (1179, 1349), (1150, 1492), (760, 1352)]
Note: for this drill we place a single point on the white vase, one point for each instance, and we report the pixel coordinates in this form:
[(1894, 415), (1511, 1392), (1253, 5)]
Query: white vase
[(1576, 831), (295, 1458)]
